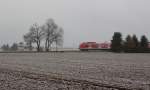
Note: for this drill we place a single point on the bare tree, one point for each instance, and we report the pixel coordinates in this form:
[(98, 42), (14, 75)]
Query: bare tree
[(49, 29), (58, 38), (29, 40), (36, 35)]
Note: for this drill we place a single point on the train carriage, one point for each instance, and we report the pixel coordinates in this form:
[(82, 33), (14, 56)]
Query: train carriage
[(85, 46)]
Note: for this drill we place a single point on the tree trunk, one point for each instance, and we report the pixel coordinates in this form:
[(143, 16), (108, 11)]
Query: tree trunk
[(56, 47), (38, 46), (46, 45), (30, 46)]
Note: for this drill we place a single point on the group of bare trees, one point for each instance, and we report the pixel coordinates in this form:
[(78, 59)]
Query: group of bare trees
[(49, 33)]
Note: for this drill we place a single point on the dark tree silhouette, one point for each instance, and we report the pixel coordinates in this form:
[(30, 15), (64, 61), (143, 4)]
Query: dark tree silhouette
[(136, 42), (5, 47), (129, 43), (144, 42), (116, 42), (14, 47)]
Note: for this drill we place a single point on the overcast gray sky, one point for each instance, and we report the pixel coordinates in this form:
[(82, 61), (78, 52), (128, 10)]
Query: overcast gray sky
[(82, 20)]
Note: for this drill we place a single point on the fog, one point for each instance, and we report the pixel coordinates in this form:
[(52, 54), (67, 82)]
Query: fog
[(82, 20)]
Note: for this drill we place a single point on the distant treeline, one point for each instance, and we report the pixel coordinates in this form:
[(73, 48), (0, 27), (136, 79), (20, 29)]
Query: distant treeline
[(130, 44), (48, 34), (7, 47)]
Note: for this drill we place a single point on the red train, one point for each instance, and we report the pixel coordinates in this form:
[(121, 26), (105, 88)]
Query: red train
[(85, 46), (94, 46)]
